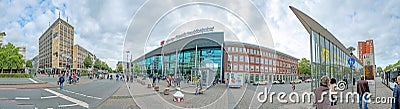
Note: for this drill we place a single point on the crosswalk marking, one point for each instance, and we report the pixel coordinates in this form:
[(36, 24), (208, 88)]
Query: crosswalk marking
[(78, 102)]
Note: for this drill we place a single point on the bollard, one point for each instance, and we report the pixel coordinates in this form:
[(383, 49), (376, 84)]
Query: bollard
[(156, 88), (166, 91)]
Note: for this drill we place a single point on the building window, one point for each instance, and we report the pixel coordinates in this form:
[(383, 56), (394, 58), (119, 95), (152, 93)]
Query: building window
[(236, 49), (229, 66), (257, 60), (235, 67), (240, 50), (229, 57), (261, 68), (257, 69), (247, 58), (241, 58), (252, 68), (235, 58), (246, 67), (252, 59), (262, 60), (229, 48), (241, 67)]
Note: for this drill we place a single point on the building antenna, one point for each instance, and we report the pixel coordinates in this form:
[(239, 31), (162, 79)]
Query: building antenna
[(67, 19), (49, 24), (58, 14)]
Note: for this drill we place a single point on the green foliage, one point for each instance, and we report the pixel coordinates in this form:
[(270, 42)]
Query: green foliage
[(304, 66), (29, 64), (392, 66), (10, 58), (379, 69), (15, 75), (136, 67), (119, 68), (88, 62)]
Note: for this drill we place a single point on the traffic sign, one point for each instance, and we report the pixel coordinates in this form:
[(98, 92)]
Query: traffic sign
[(351, 61)]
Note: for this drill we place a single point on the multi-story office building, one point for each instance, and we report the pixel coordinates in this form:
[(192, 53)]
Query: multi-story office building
[(1, 38), (367, 56), (328, 55), (207, 56), (79, 54), (22, 51), (55, 46)]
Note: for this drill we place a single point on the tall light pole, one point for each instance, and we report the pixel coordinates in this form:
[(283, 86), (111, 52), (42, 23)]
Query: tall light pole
[(127, 61), (351, 49)]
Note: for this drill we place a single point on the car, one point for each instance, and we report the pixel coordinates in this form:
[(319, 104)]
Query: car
[(278, 82), (308, 80), (296, 81), (260, 83)]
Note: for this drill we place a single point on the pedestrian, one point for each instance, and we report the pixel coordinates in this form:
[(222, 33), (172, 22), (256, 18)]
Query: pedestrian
[(333, 88), (293, 87), (197, 89), (154, 79), (74, 78), (116, 77), (396, 95), (322, 100), (179, 81), (158, 78), (363, 91), (61, 81)]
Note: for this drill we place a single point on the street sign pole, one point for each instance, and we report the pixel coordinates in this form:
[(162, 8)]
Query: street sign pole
[(351, 62)]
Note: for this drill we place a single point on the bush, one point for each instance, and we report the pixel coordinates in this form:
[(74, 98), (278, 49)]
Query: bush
[(15, 75)]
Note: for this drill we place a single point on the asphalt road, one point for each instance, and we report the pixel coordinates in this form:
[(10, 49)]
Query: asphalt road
[(85, 95)]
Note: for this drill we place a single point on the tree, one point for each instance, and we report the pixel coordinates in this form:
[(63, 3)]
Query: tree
[(97, 64), (88, 61), (136, 68), (120, 68), (304, 66), (29, 64), (10, 58)]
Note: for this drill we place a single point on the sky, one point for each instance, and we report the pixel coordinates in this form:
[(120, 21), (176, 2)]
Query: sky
[(103, 26)]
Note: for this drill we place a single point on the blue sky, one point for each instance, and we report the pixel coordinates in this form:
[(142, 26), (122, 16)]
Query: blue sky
[(100, 26)]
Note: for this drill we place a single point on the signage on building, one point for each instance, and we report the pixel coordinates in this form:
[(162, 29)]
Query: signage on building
[(369, 72), (191, 33)]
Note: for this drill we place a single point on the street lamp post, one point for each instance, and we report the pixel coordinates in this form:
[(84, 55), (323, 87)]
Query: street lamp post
[(127, 62), (351, 49)]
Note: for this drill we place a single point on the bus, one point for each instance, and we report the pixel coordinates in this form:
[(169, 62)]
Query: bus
[(389, 77)]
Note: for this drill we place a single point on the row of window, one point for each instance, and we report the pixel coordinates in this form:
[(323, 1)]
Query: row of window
[(252, 68), (258, 52), (257, 60)]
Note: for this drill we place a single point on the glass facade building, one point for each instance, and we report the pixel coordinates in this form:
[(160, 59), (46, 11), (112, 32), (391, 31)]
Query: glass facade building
[(328, 55)]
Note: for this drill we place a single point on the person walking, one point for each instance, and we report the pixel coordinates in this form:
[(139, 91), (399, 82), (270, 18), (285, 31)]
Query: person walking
[(61, 81), (333, 88), (396, 95), (363, 91), (322, 100)]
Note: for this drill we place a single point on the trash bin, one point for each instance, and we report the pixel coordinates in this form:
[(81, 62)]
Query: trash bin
[(166, 91), (178, 96)]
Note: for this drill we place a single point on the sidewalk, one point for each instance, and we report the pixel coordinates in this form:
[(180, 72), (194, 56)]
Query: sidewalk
[(381, 91)]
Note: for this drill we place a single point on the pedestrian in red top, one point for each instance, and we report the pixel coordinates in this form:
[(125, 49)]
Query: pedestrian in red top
[(74, 77)]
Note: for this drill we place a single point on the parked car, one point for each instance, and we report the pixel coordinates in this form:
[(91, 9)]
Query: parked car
[(260, 83), (278, 82), (296, 81), (308, 80)]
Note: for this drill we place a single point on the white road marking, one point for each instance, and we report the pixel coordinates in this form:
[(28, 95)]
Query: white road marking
[(78, 102), (33, 80), (83, 94), (48, 97), (67, 105), (48, 108), (22, 98)]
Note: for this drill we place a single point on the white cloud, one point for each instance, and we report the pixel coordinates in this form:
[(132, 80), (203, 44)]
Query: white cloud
[(100, 26)]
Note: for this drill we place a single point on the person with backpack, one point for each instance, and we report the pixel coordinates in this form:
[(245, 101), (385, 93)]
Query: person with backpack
[(61, 81)]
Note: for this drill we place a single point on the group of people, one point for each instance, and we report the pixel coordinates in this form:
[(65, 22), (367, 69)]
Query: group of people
[(325, 99), (72, 78)]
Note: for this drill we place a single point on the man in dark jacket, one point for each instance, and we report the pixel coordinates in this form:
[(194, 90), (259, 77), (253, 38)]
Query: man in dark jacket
[(61, 81), (396, 95), (363, 90)]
